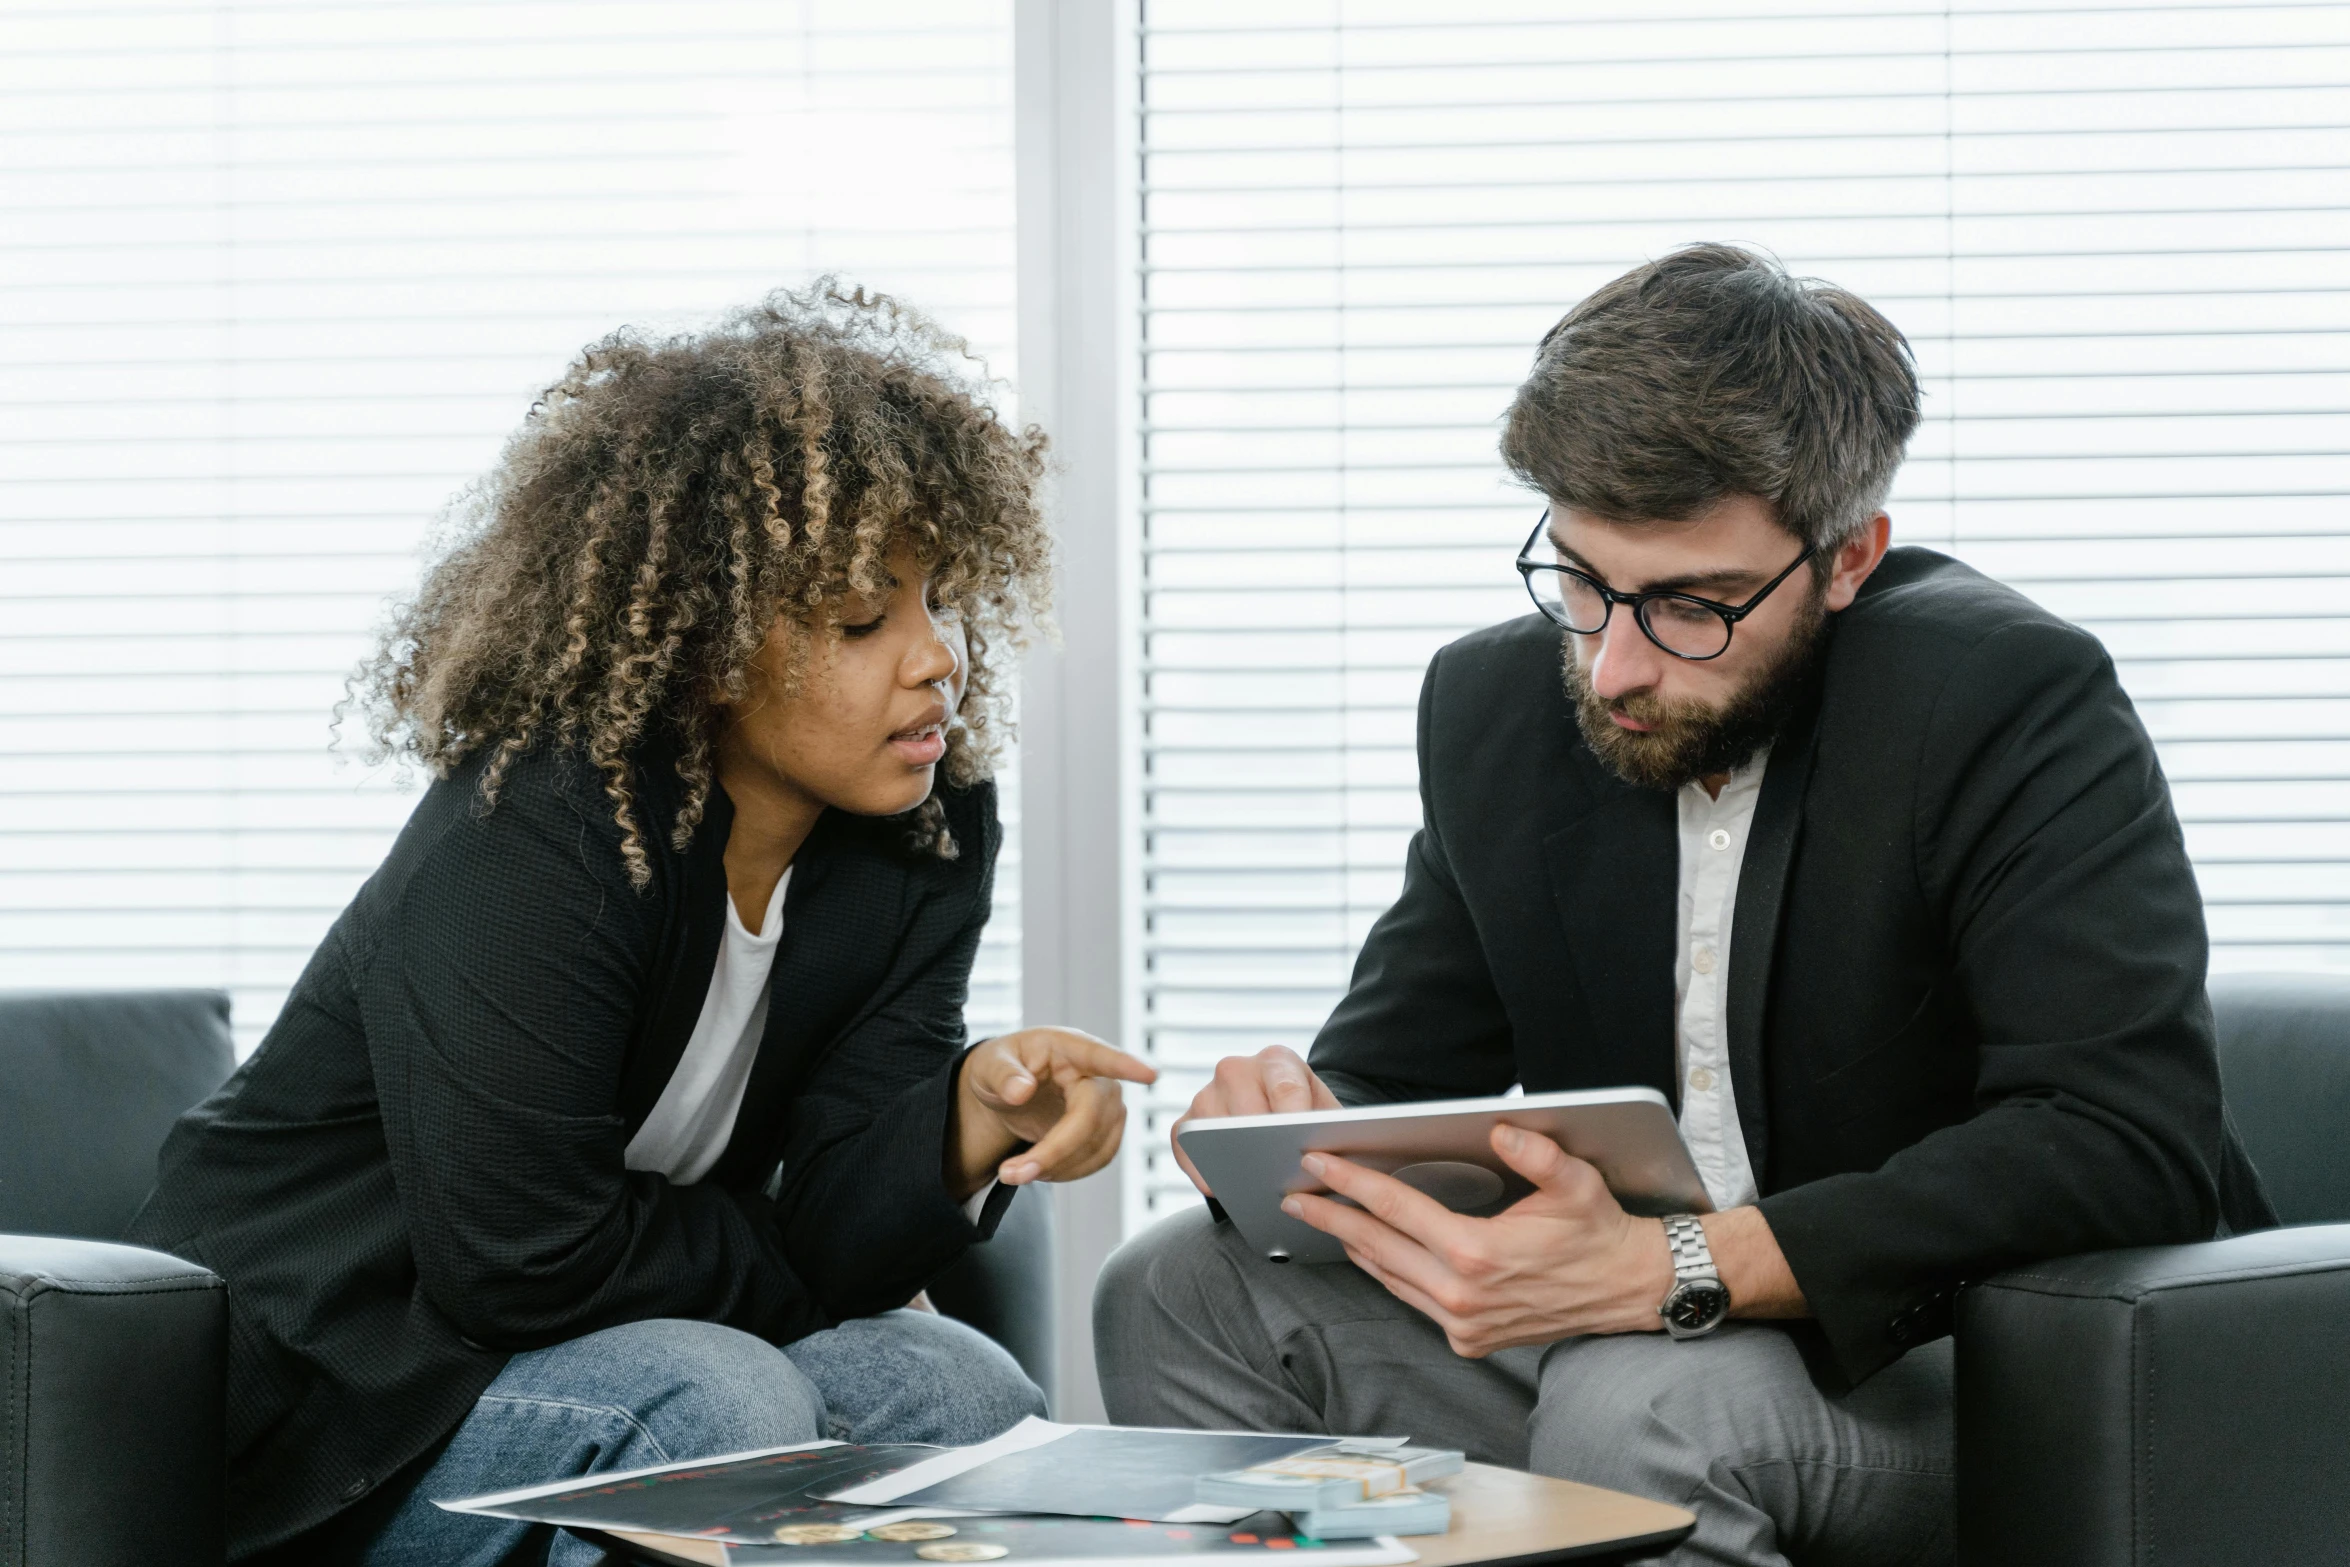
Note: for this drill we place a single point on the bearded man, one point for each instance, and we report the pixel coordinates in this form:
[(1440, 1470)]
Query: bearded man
[(1859, 857)]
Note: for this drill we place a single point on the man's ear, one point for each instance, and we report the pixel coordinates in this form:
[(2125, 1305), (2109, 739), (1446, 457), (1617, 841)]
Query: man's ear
[(1856, 557)]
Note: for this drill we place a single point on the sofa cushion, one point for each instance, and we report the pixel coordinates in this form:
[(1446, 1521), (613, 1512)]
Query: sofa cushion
[(2284, 1060), (95, 1080)]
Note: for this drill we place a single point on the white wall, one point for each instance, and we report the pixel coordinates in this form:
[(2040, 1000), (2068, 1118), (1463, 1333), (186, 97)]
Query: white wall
[(275, 280), (2116, 234)]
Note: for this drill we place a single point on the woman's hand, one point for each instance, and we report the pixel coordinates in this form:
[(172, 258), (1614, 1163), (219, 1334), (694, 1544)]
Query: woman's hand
[(1039, 1105)]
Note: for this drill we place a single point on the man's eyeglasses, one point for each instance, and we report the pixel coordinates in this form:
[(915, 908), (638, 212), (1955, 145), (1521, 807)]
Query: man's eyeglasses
[(1683, 624)]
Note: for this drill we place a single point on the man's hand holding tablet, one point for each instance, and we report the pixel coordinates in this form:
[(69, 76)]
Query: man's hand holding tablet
[(1564, 1260), (1274, 1081)]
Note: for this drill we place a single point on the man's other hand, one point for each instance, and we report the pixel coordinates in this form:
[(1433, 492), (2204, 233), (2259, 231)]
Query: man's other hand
[(1274, 1081), (1564, 1260)]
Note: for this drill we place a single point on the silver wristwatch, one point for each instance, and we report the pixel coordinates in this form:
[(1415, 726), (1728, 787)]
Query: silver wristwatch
[(1698, 1300)]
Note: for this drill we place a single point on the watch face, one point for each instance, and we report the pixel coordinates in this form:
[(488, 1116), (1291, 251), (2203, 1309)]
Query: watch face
[(1697, 1305)]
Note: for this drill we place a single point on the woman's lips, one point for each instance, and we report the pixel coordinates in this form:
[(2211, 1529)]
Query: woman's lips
[(920, 747)]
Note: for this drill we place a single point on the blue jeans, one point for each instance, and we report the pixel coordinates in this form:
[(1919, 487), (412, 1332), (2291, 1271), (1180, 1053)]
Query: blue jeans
[(667, 1391)]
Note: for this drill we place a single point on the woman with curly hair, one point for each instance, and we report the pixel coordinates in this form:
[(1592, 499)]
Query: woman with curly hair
[(628, 1098)]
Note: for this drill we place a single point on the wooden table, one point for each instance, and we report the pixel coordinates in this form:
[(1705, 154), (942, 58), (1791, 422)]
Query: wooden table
[(1500, 1518), (1504, 1516)]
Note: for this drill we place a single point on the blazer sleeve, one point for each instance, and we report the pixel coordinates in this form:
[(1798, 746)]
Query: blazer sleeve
[(1420, 1018), (2045, 839), (863, 1203), (499, 1003)]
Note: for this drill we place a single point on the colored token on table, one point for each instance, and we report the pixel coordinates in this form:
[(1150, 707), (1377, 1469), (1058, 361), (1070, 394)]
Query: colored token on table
[(961, 1551), (816, 1534), (911, 1529)]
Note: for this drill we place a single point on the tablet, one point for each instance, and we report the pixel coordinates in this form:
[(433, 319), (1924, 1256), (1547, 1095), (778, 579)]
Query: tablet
[(1442, 1147)]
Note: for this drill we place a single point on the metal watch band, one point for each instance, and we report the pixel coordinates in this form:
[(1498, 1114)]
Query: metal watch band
[(1691, 1255), (1697, 1302)]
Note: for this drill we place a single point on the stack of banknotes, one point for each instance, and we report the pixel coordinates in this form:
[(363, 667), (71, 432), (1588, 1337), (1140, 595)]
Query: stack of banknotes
[(1344, 1492), (1398, 1512)]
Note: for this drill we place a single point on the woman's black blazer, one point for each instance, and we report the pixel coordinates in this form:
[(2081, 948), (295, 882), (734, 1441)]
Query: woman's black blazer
[(419, 1172)]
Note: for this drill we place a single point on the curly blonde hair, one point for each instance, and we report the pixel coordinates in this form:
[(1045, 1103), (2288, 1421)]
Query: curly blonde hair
[(667, 499)]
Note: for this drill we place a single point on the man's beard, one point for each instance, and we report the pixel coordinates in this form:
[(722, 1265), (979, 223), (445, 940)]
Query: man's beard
[(1690, 740)]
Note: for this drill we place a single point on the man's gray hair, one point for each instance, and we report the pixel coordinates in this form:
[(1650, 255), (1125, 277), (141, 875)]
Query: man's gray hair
[(1709, 373)]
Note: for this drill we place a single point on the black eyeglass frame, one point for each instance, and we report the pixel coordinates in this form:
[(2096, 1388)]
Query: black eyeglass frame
[(1638, 603)]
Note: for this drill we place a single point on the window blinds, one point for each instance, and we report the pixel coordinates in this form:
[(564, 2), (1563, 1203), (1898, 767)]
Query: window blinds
[(2115, 234), (279, 278)]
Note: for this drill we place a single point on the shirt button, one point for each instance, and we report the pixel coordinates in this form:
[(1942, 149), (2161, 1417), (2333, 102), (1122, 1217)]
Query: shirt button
[(1702, 960), (1702, 1079), (1719, 838)]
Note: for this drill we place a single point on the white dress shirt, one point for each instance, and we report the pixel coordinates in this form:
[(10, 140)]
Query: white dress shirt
[(1713, 844)]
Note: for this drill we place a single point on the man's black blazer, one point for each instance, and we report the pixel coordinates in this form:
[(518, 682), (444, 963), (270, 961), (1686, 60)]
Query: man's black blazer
[(419, 1172), (1967, 1025)]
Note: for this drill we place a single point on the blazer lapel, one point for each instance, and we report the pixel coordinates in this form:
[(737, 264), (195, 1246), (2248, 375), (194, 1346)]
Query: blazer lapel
[(1615, 875), (696, 924), (1754, 923), (845, 904)]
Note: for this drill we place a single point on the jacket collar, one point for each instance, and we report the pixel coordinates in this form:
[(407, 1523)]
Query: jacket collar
[(850, 881), (1615, 878), (817, 990), (1755, 922), (693, 884)]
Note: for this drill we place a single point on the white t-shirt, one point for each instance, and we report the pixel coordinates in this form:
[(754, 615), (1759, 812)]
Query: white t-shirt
[(1713, 845), (694, 1116)]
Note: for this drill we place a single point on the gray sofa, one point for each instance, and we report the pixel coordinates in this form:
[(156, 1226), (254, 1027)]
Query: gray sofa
[(112, 1357), (2185, 1404)]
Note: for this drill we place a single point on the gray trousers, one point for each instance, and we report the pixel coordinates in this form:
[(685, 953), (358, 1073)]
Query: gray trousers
[(1193, 1328)]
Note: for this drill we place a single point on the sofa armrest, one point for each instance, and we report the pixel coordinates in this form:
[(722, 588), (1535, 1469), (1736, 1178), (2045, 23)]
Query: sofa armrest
[(1004, 1286), (2173, 1403), (113, 1361)]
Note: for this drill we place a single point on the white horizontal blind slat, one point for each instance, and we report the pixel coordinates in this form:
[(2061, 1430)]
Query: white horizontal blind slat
[(2115, 235), (275, 281)]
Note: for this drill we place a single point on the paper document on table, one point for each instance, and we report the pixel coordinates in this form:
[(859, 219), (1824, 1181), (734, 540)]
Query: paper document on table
[(741, 1497), (1040, 1466)]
